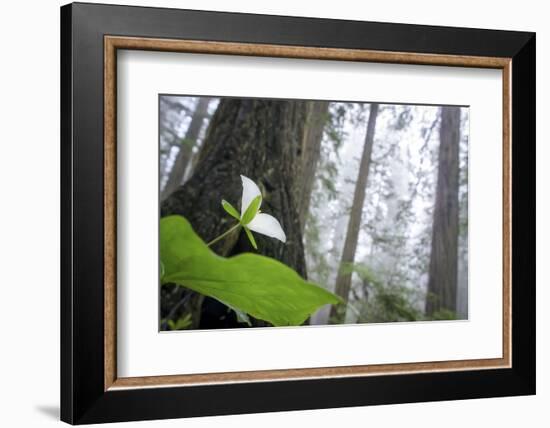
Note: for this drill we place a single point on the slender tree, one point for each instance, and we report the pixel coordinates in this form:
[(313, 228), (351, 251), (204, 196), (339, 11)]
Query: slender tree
[(343, 279), (173, 111), (442, 282), (186, 147), (260, 139)]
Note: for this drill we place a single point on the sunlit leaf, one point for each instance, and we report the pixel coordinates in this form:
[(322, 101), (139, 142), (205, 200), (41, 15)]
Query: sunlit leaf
[(256, 285)]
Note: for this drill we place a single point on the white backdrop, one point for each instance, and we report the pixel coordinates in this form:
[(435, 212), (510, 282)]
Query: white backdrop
[(29, 230)]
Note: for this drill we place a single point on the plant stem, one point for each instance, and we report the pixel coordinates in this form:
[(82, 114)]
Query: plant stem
[(223, 235)]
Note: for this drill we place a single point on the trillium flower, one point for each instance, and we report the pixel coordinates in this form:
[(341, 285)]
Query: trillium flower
[(251, 218)]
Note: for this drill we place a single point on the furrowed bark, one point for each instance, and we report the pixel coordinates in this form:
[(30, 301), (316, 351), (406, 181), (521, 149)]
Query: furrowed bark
[(442, 282)]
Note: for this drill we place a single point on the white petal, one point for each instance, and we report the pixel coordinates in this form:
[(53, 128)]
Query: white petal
[(250, 191), (267, 225)]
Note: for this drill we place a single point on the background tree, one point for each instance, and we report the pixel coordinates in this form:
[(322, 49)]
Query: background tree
[(442, 282), (462, 286), (310, 154), (343, 280), (186, 145), (174, 112)]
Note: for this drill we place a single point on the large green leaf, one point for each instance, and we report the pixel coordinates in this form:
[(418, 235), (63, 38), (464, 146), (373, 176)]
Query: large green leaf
[(257, 285)]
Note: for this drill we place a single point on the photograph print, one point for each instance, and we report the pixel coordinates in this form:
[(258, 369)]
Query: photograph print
[(288, 212)]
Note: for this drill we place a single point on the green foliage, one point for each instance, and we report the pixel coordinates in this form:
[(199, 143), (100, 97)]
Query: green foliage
[(247, 217), (252, 284), (386, 303), (252, 210), (161, 270), (443, 314), (250, 237), (364, 272), (328, 184), (182, 323), (231, 210), (393, 304)]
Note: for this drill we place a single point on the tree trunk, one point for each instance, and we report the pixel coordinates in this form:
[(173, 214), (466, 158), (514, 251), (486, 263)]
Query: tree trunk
[(343, 279), (442, 282), (310, 153), (186, 147), (260, 139), (172, 111)]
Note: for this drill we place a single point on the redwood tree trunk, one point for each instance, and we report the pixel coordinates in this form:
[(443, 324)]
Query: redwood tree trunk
[(442, 282), (260, 139), (343, 280), (186, 147)]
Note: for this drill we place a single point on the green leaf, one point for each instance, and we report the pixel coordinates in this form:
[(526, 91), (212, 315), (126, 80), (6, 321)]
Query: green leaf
[(161, 268), (259, 286), (252, 210), (250, 237), (230, 209), (180, 324)]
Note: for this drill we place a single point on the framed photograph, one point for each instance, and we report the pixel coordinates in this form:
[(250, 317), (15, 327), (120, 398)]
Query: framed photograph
[(266, 213)]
